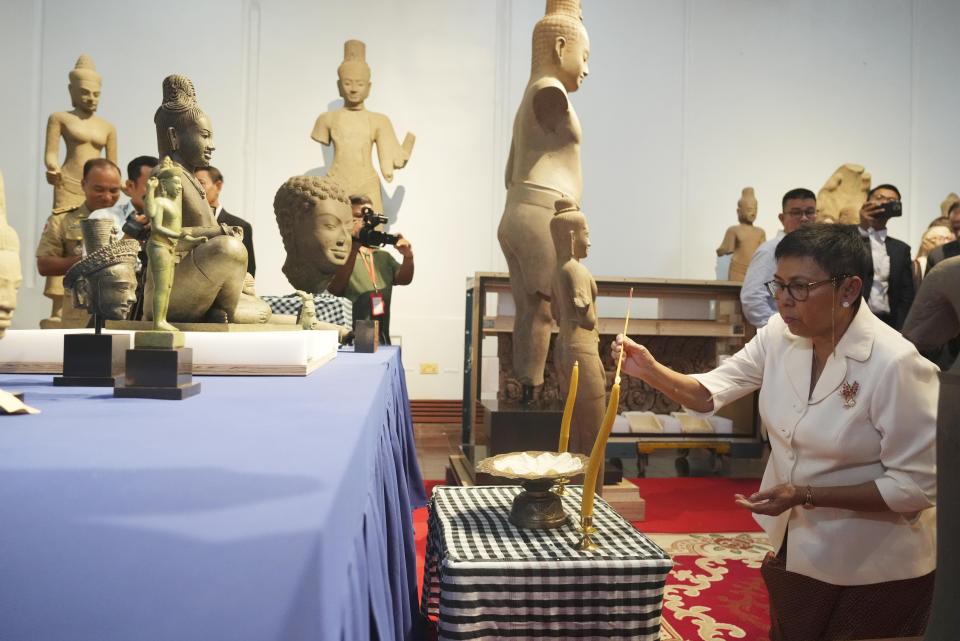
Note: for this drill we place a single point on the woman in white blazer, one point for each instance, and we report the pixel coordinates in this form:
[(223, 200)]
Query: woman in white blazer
[(848, 494)]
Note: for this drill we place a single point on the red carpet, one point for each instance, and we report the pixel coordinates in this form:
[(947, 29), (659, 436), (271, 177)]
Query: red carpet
[(714, 592), (696, 504)]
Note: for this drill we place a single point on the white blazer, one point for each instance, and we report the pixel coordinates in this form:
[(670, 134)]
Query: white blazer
[(885, 433)]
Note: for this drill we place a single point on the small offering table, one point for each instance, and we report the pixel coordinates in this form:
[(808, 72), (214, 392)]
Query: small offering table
[(487, 579)]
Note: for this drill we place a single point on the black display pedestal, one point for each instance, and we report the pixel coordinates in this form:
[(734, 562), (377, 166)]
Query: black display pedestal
[(158, 372), (366, 336), (92, 360), (513, 427)]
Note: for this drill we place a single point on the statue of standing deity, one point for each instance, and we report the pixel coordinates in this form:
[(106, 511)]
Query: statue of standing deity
[(85, 136), (573, 303), (353, 131), (742, 240), (543, 166)]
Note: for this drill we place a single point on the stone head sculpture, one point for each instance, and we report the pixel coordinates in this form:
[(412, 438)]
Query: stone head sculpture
[(10, 275), (85, 85), (933, 238), (560, 44), (353, 75), (747, 206), (316, 222), (569, 230), (104, 282), (183, 129)]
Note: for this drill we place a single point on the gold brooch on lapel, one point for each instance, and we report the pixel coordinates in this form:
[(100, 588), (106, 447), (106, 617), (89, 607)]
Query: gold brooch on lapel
[(849, 393)]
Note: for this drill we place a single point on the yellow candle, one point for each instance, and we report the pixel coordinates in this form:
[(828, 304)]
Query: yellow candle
[(597, 454), (568, 407)]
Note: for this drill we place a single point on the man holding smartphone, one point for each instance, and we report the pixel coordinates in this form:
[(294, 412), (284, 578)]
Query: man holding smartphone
[(888, 289)]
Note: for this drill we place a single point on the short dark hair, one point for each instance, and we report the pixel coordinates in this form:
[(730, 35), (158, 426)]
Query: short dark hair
[(215, 175), (135, 166), (838, 249), (97, 163), (800, 193), (884, 186), (360, 199)]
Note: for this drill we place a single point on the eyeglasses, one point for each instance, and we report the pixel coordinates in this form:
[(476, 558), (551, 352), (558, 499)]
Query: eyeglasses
[(798, 291), (801, 213)]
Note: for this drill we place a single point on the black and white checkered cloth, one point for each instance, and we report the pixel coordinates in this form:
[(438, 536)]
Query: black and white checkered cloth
[(485, 578), (330, 308)]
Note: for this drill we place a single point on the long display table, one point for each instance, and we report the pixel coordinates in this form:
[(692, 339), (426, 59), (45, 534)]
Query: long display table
[(262, 509)]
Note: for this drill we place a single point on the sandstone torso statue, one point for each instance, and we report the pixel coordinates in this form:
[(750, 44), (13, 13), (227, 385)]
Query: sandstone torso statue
[(742, 241)]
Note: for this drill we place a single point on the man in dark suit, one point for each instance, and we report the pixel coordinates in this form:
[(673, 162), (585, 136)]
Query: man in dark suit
[(888, 288), (212, 181), (951, 249)]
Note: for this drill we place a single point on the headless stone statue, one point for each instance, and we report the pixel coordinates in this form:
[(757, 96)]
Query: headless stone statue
[(104, 282), (316, 225), (543, 166), (573, 303), (841, 197), (354, 131), (743, 239), (208, 277), (85, 136)]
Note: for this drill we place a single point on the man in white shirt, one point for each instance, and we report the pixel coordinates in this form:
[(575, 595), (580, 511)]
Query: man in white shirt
[(799, 206), (888, 288)]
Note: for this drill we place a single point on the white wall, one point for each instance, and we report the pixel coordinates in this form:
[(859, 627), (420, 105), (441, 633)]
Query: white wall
[(686, 103)]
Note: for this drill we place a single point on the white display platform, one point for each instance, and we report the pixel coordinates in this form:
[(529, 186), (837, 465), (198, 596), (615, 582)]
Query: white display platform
[(290, 353)]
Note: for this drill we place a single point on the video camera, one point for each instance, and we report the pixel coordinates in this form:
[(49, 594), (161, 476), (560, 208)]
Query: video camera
[(369, 235)]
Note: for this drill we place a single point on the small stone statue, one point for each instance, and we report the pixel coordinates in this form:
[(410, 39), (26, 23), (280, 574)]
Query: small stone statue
[(947, 204), (104, 282), (743, 239), (165, 212), (354, 131), (573, 303), (543, 166), (841, 197), (209, 276), (307, 318), (85, 136), (316, 224)]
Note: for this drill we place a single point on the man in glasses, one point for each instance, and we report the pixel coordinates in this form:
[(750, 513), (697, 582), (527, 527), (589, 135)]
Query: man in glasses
[(888, 288), (799, 207)]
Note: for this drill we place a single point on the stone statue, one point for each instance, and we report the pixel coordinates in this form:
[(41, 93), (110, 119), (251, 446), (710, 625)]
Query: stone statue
[(10, 275), (840, 198), (573, 303), (208, 276), (947, 204), (11, 278), (743, 239), (165, 212), (307, 318), (104, 282), (316, 223), (85, 136), (543, 166), (353, 131)]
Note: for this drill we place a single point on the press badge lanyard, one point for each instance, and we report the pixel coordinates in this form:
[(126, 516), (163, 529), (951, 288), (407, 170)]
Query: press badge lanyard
[(376, 298)]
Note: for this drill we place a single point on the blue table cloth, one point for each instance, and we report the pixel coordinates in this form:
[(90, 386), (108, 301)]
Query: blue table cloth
[(262, 509)]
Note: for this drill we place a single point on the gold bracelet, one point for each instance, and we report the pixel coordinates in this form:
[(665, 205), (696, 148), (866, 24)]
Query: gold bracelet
[(808, 498)]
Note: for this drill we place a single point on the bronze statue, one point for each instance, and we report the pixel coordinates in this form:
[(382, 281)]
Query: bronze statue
[(316, 224), (208, 276), (104, 282), (354, 131), (543, 166), (573, 304)]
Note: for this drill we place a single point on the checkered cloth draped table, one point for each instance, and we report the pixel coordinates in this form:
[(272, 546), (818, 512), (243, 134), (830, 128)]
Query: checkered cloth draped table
[(330, 308), (484, 578)]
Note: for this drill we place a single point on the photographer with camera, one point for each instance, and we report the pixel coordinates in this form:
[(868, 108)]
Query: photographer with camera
[(368, 282), (888, 288)]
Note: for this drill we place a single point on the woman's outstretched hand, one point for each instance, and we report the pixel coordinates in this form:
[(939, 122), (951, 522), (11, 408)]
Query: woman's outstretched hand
[(637, 359)]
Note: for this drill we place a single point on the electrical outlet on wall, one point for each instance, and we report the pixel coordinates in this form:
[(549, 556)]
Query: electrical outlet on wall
[(429, 368)]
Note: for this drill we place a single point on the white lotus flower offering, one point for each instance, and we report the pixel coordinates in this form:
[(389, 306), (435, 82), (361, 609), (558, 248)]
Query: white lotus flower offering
[(543, 464)]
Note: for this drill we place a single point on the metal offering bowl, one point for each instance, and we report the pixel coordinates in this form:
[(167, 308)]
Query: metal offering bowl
[(536, 508)]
